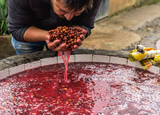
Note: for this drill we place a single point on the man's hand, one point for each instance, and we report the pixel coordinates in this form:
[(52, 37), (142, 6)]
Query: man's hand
[(82, 37), (55, 45)]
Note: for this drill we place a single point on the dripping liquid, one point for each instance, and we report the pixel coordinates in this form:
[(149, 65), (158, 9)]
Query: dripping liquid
[(65, 57)]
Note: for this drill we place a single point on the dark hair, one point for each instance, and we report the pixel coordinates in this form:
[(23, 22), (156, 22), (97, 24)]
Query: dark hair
[(78, 4)]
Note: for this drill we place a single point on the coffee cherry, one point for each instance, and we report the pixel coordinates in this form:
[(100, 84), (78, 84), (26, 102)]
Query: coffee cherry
[(67, 35)]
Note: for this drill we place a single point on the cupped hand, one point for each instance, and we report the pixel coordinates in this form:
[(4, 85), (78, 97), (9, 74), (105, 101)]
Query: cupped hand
[(55, 45), (82, 37)]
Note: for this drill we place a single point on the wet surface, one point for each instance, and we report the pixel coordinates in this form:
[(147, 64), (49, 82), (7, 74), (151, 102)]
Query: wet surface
[(93, 88)]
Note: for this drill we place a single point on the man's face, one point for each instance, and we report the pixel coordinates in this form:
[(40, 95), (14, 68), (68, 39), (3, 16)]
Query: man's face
[(62, 11)]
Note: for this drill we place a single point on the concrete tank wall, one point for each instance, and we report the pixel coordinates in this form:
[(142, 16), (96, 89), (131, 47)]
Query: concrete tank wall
[(110, 7), (103, 10), (117, 5)]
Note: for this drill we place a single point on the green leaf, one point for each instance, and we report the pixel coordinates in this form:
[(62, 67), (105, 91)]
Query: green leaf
[(3, 17)]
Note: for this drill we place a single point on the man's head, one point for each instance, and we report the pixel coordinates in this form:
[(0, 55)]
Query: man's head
[(70, 8)]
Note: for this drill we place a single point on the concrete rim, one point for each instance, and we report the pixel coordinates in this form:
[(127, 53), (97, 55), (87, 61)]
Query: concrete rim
[(31, 57), (20, 63)]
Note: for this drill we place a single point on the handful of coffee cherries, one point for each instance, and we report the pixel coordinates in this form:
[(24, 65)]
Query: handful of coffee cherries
[(67, 35)]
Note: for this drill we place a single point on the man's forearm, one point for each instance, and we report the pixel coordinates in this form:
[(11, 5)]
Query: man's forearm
[(34, 34)]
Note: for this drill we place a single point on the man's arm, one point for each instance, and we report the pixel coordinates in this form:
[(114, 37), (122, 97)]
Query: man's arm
[(34, 34), (20, 22)]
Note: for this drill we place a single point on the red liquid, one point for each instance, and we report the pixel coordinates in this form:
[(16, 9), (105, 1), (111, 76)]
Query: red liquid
[(65, 58), (93, 88)]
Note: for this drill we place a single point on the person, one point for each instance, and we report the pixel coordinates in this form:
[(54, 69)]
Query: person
[(30, 20)]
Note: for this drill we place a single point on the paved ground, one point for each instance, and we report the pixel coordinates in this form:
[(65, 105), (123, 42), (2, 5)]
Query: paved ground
[(126, 30)]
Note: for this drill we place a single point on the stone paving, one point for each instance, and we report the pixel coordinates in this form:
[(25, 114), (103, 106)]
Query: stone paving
[(120, 32)]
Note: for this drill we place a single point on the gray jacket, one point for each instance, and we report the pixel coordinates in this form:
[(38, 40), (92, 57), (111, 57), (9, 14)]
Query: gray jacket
[(25, 13)]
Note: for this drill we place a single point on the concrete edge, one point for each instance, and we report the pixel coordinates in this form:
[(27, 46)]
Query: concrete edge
[(19, 63), (17, 60)]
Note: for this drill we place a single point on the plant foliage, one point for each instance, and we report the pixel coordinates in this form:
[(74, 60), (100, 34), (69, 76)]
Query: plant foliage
[(3, 17)]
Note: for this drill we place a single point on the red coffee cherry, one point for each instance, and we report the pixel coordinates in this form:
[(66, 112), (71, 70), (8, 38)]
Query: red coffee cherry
[(67, 35)]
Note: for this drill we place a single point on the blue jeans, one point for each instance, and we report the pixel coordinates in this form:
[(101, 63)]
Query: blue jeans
[(27, 47)]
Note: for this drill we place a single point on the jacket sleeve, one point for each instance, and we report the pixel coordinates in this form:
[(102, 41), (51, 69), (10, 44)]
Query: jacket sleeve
[(19, 18), (87, 18)]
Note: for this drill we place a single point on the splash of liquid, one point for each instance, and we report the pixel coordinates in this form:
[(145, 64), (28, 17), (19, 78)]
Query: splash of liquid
[(65, 57)]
